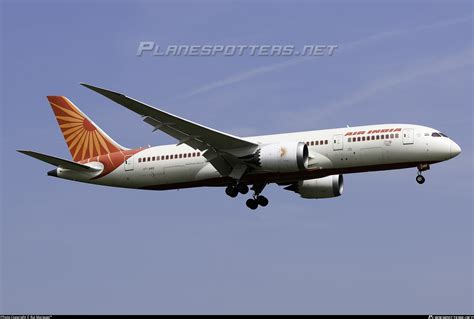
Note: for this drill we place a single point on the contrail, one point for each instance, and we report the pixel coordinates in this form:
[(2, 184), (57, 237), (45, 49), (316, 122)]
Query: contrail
[(239, 77)]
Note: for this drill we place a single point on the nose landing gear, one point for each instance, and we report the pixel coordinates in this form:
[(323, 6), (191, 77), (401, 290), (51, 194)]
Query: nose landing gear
[(420, 179)]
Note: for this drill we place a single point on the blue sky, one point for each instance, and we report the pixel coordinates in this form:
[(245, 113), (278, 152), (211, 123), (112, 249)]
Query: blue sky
[(387, 245)]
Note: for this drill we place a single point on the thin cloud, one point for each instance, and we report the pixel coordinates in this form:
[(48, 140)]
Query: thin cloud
[(436, 66), (239, 77)]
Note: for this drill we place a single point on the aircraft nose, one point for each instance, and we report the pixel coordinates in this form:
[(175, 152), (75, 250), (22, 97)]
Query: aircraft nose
[(455, 149)]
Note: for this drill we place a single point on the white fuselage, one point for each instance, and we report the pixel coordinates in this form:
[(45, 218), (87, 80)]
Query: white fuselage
[(368, 149)]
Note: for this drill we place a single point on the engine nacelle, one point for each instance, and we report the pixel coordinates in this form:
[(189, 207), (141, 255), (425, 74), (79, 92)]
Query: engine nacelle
[(326, 187), (283, 157)]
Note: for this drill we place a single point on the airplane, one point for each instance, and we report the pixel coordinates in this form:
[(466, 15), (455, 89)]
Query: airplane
[(310, 163)]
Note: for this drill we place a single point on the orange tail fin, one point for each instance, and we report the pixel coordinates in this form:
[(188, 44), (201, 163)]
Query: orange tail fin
[(83, 137)]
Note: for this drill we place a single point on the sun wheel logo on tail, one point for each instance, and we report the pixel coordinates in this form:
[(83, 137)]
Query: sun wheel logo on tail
[(325, 187), (83, 138), (281, 157)]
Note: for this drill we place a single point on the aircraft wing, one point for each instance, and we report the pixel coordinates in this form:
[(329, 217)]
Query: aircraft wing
[(195, 135)]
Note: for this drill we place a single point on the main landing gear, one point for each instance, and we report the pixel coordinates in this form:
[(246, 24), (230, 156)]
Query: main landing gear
[(255, 201), (234, 190), (420, 179)]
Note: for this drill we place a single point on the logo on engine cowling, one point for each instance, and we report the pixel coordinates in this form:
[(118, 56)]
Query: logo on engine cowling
[(282, 151)]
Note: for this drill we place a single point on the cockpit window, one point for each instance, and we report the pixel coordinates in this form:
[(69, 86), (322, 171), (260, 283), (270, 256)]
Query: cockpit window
[(442, 134), (435, 134)]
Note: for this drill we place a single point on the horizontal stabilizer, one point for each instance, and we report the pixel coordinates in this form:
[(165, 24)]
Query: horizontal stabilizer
[(59, 162)]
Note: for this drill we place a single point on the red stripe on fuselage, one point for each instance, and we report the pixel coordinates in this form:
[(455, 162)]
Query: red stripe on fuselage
[(266, 178), (112, 160)]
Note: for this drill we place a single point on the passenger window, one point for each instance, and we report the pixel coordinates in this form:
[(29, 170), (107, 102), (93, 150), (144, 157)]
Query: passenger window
[(397, 136), (326, 141), (358, 139), (316, 143), (154, 158), (180, 155), (373, 137), (349, 139), (363, 138), (392, 136), (162, 157), (148, 159), (139, 160), (184, 155), (198, 154), (386, 136), (312, 143)]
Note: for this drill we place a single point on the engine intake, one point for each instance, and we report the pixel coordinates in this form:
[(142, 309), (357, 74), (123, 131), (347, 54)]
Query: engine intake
[(325, 187), (283, 157)]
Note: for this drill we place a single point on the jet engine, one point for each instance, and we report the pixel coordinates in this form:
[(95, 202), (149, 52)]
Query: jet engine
[(283, 157), (325, 187)]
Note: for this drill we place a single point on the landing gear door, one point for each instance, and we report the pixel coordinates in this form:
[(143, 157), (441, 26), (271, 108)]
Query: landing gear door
[(407, 136), (337, 143), (128, 164)]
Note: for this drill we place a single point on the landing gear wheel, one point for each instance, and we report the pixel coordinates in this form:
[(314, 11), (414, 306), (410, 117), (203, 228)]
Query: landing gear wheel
[(252, 203), (231, 191), (262, 200), (242, 188), (420, 179)]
